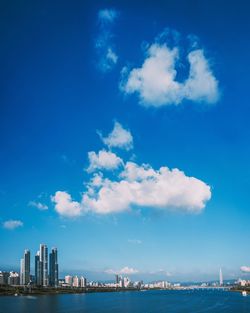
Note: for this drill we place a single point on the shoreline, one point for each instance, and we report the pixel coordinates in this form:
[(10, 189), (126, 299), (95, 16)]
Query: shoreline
[(25, 291), (35, 291)]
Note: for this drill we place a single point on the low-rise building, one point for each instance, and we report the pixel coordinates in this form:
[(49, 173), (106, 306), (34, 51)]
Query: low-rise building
[(14, 279), (76, 281), (68, 280), (4, 278)]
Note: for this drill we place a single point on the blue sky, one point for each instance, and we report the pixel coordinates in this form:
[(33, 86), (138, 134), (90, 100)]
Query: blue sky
[(97, 89)]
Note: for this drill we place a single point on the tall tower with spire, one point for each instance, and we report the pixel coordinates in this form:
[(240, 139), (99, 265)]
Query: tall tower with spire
[(221, 278)]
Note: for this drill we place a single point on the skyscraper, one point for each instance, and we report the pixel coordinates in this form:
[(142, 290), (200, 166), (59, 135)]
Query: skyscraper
[(25, 268), (38, 270), (44, 263), (22, 272), (221, 278), (116, 279), (53, 268)]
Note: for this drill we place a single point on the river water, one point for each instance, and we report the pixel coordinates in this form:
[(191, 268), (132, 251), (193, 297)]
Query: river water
[(160, 301)]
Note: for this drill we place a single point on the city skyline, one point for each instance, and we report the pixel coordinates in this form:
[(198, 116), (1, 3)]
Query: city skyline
[(45, 268), (124, 139), (37, 273), (42, 278)]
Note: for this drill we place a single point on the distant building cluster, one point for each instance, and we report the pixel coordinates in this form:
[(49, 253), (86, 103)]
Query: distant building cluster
[(119, 282), (158, 284), (46, 270), (124, 282), (243, 282), (9, 278), (73, 281)]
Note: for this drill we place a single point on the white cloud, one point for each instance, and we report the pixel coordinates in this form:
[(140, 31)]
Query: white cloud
[(119, 138), (38, 205), (135, 241), (137, 186), (132, 185), (107, 15), (12, 224), (161, 272), (103, 160), (201, 84), (65, 206), (245, 269), (124, 271), (111, 56), (142, 186), (104, 42), (156, 81)]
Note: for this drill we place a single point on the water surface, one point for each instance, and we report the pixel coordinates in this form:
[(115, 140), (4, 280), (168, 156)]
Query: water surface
[(136, 302)]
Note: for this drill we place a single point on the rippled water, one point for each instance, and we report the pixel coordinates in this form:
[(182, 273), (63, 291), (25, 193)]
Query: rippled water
[(135, 302)]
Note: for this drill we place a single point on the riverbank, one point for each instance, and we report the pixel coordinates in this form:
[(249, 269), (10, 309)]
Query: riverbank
[(241, 289), (20, 290)]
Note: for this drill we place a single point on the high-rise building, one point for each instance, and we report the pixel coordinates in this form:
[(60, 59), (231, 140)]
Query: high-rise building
[(22, 272), (116, 279), (44, 263), (221, 278), (121, 282), (38, 270), (68, 280), (83, 282), (25, 268), (53, 268), (127, 282)]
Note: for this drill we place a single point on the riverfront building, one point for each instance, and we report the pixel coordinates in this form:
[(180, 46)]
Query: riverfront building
[(41, 277), (83, 282), (13, 279), (68, 280), (38, 270), (53, 268), (25, 268), (44, 264)]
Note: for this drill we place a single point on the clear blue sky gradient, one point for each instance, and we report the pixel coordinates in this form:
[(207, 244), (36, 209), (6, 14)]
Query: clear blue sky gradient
[(53, 98)]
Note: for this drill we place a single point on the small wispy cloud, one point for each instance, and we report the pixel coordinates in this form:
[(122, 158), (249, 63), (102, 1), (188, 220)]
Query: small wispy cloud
[(12, 224), (67, 160), (107, 16), (104, 160), (119, 137), (135, 241), (245, 269), (107, 57), (40, 206), (124, 271), (161, 272)]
